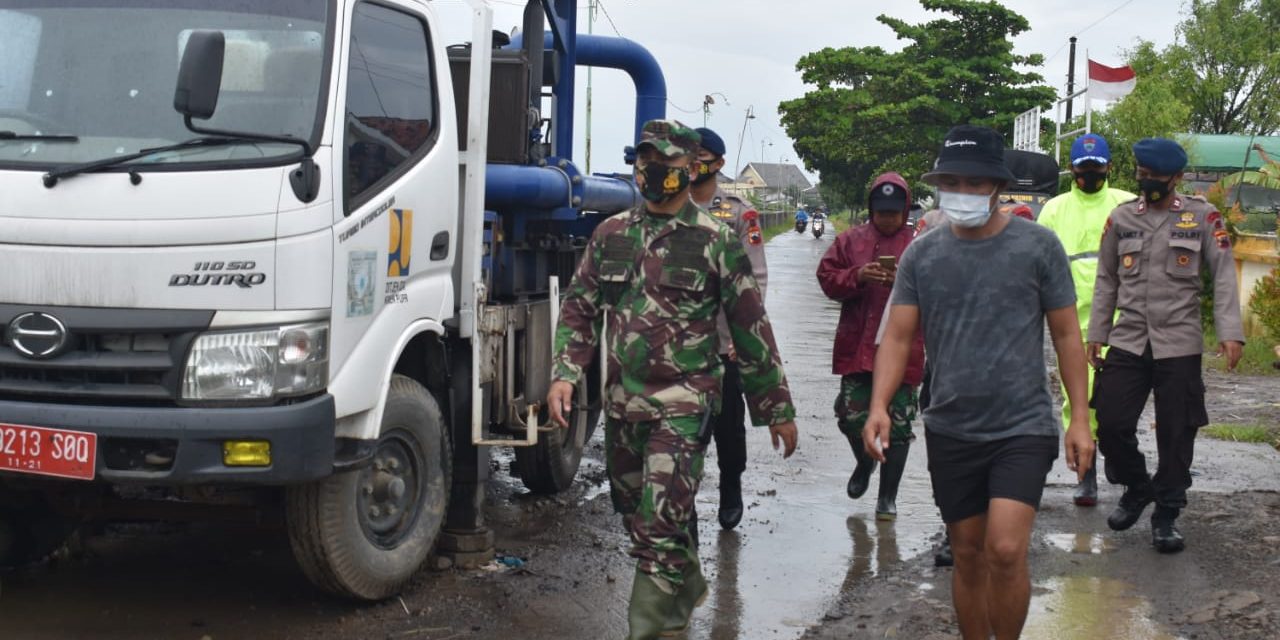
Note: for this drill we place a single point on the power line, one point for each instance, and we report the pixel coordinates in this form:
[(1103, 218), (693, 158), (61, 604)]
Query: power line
[(1091, 25), (678, 108), (610, 18)]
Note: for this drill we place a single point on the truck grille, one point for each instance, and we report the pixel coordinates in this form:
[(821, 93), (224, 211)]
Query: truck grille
[(111, 357)]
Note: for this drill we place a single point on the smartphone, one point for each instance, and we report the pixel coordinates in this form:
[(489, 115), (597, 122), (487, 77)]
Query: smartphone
[(888, 263)]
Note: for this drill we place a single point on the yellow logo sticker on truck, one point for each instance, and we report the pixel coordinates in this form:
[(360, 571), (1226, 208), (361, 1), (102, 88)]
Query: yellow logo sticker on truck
[(400, 243)]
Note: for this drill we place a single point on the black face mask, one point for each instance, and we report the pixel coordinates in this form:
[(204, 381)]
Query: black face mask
[(702, 172), (1155, 190), (662, 183), (1091, 181)]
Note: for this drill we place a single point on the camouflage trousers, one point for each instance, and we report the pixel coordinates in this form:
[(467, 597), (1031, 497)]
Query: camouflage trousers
[(853, 407), (654, 471)]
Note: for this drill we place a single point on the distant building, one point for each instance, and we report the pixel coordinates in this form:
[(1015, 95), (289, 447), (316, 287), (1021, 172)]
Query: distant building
[(768, 178)]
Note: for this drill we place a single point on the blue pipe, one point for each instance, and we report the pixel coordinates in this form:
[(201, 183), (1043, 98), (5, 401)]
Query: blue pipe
[(508, 185), (626, 55), (513, 186)]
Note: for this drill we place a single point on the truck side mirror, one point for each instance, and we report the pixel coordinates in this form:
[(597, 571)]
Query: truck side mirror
[(200, 75)]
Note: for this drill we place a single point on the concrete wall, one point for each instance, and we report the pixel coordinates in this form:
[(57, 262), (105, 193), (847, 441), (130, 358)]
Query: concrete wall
[(1256, 255)]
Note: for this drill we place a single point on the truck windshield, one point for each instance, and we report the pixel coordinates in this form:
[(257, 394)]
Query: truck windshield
[(104, 71)]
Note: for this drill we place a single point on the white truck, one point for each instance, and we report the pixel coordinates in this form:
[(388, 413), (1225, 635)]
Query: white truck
[(264, 254)]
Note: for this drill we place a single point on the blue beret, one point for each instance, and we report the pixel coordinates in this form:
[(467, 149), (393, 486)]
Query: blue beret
[(711, 141), (1160, 156)]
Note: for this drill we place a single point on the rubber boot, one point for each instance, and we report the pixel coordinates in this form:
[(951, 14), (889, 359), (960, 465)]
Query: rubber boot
[(1132, 504), (895, 461), (1165, 536), (651, 608), (691, 596), (861, 477), (943, 557), (730, 501), (1087, 491)]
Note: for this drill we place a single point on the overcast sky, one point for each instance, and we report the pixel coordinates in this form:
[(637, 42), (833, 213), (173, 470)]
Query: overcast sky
[(747, 51)]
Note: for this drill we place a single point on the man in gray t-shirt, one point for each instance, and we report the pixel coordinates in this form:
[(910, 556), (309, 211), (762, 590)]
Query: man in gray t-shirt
[(982, 287)]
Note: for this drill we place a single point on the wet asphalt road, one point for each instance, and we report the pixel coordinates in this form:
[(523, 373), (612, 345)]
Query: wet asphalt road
[(801, 545)]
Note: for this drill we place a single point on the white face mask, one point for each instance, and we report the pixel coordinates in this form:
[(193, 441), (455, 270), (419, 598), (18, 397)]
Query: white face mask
[(970, 210)]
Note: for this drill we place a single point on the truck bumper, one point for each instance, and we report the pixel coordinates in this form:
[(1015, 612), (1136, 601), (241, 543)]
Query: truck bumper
[(177, 446)]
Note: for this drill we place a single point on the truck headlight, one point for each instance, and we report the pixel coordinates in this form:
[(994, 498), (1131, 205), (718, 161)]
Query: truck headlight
[(258, 364)]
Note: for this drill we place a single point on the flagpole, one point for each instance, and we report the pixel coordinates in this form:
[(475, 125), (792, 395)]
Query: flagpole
[(1088, 98)]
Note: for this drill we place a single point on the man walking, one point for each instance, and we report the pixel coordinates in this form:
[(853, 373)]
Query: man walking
[(982, 287), (1078, 217), (1149, 268), (858, 271), (729, 426), (664, 271)]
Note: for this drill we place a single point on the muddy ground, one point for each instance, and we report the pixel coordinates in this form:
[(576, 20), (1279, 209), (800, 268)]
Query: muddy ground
[(805, 562)]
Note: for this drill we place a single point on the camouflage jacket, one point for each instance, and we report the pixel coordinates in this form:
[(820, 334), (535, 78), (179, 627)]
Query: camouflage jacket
[(663, 284), (742, 218)]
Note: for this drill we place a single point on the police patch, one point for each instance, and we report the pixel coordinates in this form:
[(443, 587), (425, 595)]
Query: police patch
[(1128, 262), (1188, 221), (1223, 238), (1184, 260)]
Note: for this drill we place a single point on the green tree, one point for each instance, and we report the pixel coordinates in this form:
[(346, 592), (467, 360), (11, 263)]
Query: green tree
[(1227, 65), (871, 110)]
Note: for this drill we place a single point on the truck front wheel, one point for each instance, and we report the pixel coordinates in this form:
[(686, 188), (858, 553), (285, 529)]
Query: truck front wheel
[(365, 533)]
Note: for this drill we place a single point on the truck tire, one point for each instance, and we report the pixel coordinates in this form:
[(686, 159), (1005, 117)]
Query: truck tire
[(364, 534), (550, 466)]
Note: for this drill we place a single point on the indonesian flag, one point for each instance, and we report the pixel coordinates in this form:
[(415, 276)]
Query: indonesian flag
[(1110, 83)]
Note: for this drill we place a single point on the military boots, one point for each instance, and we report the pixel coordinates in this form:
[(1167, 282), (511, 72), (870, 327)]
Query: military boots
[(1132, 504), (652, 607), (895, 462), (861, 477), (1165, 536)]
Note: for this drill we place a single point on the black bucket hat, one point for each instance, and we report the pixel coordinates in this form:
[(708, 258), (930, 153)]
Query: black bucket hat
[(971, 152)]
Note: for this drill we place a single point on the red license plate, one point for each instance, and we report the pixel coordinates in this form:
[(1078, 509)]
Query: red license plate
[(48, 452)]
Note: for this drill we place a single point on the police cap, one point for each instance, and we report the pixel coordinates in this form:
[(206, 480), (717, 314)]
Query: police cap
[(1161, 156)]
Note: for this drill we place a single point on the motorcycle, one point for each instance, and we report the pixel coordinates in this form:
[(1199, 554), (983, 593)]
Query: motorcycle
[(818, 227), (800, 225)]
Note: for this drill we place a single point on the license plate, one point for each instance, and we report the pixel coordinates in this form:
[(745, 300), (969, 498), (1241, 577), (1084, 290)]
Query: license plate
[(48, 452)]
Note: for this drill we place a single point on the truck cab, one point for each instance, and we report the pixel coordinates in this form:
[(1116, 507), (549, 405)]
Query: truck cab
[(258, 253)]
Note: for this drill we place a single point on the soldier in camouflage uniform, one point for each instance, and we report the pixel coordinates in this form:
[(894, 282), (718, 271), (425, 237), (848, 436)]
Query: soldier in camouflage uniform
[(729, 428), (664, 271)]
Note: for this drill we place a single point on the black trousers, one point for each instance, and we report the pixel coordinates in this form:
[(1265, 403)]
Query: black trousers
[(730, 429), (1120, 392)]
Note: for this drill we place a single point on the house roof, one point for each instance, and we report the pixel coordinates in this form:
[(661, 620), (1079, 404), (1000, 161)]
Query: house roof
[(1225, 152), (778, 176)]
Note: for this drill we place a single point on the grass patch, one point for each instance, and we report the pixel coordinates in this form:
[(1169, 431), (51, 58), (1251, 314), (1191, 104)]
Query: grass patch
[(1258, 356), (1243, 433)]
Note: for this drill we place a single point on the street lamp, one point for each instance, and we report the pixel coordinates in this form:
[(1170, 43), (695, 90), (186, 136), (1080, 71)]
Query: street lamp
[(707, 101), (764, 141)]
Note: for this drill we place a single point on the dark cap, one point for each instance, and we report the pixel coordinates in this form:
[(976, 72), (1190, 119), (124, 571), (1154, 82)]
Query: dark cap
[(1161, 156), (888, 197), (711, 141), (671, 138), (971, 152)]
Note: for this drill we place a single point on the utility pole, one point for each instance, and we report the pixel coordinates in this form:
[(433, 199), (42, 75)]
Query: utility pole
[(1071, 76), (742, 136), (591, 22)]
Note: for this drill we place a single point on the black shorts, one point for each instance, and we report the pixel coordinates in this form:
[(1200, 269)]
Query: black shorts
[(967, 475)]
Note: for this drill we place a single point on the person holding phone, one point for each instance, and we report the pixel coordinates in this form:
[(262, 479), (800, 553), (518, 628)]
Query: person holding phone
[(858, 271)]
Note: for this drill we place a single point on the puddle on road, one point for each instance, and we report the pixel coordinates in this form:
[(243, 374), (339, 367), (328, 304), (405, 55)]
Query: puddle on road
[(1081, 543), (1086, 608), (802, 542)]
